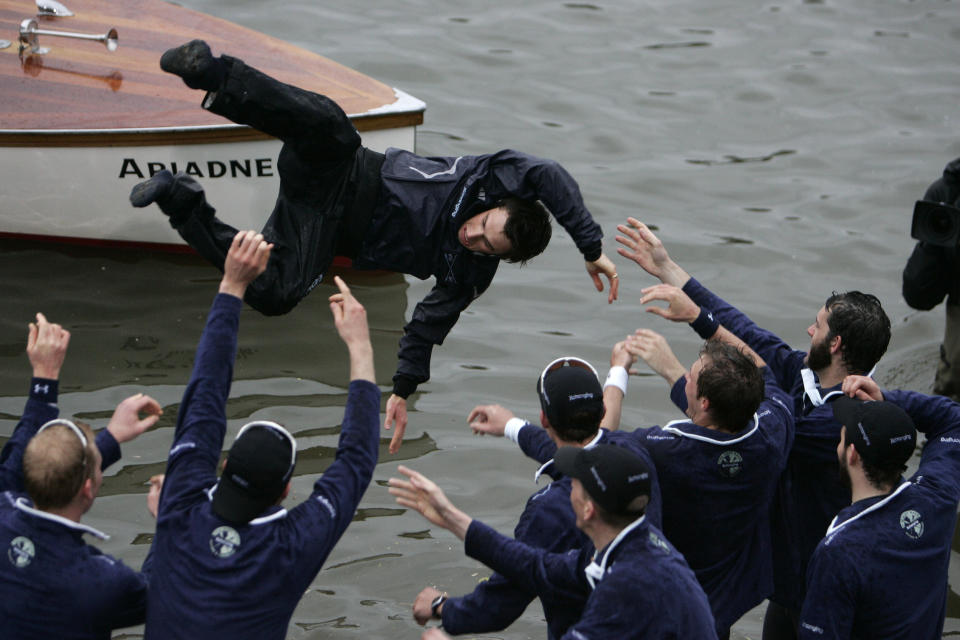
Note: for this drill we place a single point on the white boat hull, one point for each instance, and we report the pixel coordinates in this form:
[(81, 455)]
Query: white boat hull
[(81, 193)]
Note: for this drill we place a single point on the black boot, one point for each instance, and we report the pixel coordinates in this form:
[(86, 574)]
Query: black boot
[(179, 196), (194, 63), (149, 191)]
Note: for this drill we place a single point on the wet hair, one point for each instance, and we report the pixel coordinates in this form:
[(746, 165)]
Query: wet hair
[(733, 384), (863, 327), (55, 465), (527, 228)]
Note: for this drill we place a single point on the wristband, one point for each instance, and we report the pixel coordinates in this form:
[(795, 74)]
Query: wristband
[(511, 430), (437, 602), (617, 377), (705, 325)]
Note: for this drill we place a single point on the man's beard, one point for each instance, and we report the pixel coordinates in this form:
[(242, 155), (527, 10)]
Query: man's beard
[(819, 356), (845, 474)]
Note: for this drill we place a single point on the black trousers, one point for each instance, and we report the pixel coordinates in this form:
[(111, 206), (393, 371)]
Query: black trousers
[(329, 184)]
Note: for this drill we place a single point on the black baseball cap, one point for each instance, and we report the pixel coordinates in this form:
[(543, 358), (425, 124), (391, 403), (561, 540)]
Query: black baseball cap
[(259, 465), (612, 476), (882, 432), (570, 386)]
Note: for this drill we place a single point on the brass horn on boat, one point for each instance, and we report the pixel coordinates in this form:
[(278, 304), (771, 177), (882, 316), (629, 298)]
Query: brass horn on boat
[(29, 37)]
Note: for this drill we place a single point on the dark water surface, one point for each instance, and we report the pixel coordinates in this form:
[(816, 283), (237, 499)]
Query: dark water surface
[(777, 146)]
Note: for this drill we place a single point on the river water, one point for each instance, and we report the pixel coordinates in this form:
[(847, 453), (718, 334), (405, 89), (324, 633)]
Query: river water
[(777, 147)]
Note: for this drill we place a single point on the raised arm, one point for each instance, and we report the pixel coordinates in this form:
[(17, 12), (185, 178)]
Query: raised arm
[(201, 421), (615, 386), (325, 515), (46, 349), (681, 308), (644, 248), (530, 568)]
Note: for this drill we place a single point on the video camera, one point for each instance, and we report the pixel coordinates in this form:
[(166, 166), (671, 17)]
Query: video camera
[(936, 223)]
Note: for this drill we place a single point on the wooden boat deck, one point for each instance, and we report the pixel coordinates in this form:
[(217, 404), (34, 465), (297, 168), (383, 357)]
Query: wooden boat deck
[(92, 97)]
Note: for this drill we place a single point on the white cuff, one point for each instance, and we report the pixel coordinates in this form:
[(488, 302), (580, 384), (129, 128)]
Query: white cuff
[(511, 431), (617, 377)]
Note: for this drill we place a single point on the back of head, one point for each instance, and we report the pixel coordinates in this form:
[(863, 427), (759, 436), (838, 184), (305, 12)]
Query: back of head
[(56, 463), (259, 465), (883, 435), (732, 383), (572, 399), (527, 228), (863, 327)]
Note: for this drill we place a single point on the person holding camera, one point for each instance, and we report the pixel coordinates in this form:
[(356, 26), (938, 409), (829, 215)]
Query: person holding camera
[(933, 269)]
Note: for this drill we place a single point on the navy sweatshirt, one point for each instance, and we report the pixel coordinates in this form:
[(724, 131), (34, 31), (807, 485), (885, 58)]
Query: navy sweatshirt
[(212, 579), (52, 583), (639, 586), (881, 569)]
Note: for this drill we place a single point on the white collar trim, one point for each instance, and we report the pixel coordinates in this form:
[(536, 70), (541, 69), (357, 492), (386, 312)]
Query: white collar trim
[(834, 527), (811, 388), (693, 436), (589, 445), (22, 504), (596, 571)]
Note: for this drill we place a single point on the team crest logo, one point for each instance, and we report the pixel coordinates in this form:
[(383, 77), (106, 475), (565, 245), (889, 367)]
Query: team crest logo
[(21, 552), (224, 542), (730, 463), (912, 523)]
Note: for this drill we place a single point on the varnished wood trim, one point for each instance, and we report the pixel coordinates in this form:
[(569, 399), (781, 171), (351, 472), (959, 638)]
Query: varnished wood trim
[(200, 135)]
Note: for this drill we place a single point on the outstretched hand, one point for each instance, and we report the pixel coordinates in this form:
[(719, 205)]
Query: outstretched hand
[(47, 347), (653, 349), (644, 248), (489, 419), (680, 308), (419, 493), (862, 388), (604, 265), (126, 424), (246, 259)]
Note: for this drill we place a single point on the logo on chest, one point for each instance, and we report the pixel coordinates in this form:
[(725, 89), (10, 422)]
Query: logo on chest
[(21, 552), (224, 541), (730, 463), (912, 523)]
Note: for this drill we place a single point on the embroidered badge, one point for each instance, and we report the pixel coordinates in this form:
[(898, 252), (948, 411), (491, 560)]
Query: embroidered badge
[(659, 542), (730, 463), (224, 542), (912, 523), (21, 552)]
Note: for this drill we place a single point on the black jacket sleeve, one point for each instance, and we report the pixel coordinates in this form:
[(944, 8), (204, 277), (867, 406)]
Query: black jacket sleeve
[(432, 320)]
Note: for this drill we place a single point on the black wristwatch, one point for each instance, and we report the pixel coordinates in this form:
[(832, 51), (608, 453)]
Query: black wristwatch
[(435, 606)]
